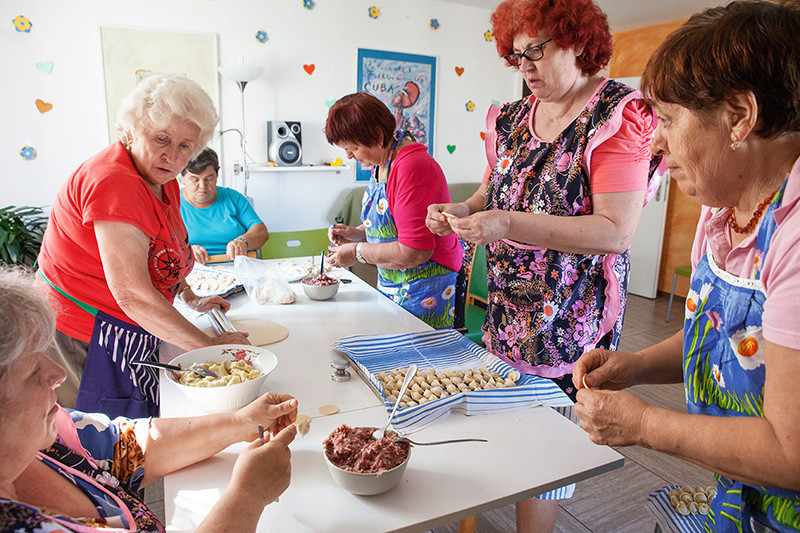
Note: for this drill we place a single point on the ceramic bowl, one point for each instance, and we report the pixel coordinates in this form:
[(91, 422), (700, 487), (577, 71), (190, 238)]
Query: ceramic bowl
[(367, 484), (226, 397), (320, 292)]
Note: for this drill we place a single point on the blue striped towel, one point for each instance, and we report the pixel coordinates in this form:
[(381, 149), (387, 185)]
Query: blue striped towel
[(668, 518), (444, 350)]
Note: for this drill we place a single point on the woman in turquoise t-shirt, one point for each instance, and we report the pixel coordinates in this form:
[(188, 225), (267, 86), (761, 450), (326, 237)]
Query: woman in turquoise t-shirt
[(219, 220)]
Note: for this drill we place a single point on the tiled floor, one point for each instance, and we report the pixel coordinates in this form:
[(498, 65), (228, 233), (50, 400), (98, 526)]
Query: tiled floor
[(612, 502)]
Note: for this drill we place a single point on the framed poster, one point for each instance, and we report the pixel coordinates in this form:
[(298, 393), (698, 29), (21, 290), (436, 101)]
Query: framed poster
[(130, 55), (406, 83)]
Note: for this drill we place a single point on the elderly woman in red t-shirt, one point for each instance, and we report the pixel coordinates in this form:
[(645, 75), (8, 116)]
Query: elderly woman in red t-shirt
[(116, 252), (416, 268)]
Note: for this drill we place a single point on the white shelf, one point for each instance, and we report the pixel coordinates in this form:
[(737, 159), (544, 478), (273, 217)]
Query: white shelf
[(302, 168)]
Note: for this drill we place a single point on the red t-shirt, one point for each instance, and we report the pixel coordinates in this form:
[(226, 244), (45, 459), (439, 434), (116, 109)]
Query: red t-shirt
[(107, 187), (416, 181)]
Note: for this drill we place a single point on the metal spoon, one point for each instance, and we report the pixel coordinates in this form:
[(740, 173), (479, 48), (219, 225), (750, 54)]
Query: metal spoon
[(197, 369), (381, 432), (406, 439)]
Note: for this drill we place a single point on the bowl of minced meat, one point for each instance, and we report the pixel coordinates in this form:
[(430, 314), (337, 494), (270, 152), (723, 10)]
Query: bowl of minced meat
[(363, 465)]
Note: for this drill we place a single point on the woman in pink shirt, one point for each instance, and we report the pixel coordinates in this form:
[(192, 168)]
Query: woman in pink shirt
[(416, 268), (569, 169), (725, 87)]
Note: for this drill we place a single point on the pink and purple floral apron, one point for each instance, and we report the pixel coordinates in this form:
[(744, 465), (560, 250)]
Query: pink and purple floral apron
[(547, 307)]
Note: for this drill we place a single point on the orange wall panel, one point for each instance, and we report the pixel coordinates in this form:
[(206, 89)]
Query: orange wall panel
[(632, 49)]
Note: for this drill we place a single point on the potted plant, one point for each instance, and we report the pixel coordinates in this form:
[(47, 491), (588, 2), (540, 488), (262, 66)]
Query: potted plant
[(21, 232)]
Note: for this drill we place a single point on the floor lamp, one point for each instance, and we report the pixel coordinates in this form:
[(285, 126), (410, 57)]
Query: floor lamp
[(241, 74)]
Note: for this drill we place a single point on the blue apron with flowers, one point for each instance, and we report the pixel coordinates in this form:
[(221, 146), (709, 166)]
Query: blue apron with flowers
[(427, 290), (724, 376)]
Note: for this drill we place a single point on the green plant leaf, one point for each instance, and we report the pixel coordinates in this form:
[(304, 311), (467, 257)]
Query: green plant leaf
[(21, 232)]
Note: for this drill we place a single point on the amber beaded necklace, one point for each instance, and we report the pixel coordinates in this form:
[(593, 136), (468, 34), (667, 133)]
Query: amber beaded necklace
[(753, 220)]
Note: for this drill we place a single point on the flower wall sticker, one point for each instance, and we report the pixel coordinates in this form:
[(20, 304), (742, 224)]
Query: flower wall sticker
[(374, 12), (28, 153), (309, 4), (22, 24), (488, 36), (434, 24), (470, 105), (261, 36)]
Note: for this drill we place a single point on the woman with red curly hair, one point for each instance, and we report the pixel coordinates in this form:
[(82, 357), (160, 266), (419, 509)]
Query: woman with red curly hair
[(569, 172)]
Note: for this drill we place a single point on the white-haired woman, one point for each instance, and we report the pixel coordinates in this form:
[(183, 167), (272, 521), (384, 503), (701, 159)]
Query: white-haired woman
[(116, 252), (72, 471)]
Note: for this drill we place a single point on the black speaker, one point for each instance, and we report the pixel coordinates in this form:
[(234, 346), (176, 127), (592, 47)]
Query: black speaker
[(284, 142)]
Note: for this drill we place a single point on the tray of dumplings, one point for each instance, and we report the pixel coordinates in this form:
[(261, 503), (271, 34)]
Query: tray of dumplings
[(681, 508), (213, 280), (454, 374), (295, 268)]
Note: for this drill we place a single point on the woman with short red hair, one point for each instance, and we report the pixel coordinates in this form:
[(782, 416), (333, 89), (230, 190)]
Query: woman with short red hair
[(569, 172), (416, 268)]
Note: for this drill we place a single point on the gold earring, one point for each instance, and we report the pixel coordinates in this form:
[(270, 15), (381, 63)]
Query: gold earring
[(735, 145)]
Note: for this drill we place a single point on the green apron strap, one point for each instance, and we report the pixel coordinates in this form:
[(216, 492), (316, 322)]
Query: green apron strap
[(86, 307)]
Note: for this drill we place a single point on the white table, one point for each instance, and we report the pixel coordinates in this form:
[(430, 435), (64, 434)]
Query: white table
[(442, 484)]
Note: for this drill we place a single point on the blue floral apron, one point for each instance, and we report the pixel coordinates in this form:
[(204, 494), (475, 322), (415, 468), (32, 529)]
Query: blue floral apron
[(724, 376), (427, 290), (109, 383)]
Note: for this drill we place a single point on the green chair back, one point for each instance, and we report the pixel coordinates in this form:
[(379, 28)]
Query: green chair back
[(295, 243), (477, 289)]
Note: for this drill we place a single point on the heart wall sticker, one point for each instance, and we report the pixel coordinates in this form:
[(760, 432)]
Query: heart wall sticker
[(45, 66), (309, 68), (43, 106), (459, 71), (451, 148)]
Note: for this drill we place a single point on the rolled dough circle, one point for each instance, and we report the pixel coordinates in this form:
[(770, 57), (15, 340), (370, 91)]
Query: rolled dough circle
[(261, 331)]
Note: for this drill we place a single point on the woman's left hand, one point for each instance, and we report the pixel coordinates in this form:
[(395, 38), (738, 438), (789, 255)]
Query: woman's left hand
[(482, 227), (236, 247), (613, 418), (273, 411), (342, 256), (204, 304)]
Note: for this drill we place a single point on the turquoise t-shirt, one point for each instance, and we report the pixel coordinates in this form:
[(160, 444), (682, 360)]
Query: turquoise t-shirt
[(215, 226)]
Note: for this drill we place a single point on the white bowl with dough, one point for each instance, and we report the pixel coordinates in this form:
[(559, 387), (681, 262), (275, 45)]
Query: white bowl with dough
[(225, 397)]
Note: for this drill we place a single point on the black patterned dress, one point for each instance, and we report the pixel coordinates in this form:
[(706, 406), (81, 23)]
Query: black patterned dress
[(547, 307)]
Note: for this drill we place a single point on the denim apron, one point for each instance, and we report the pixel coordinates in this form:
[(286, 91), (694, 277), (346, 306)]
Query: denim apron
[(109, 383), (724, 376), (427, 290)]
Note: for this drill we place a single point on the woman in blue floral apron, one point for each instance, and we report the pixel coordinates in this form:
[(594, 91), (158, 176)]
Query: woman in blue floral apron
[(739, 352), (416, 269)]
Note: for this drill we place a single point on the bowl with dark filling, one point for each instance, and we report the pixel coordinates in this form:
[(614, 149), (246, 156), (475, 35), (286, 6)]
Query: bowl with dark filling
[(362, 465), (321, 287)]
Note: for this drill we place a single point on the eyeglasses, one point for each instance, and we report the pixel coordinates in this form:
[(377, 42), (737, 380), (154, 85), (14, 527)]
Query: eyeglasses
[(534, 53)]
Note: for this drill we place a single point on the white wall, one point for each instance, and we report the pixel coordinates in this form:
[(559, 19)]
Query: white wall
[(328, 36)]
